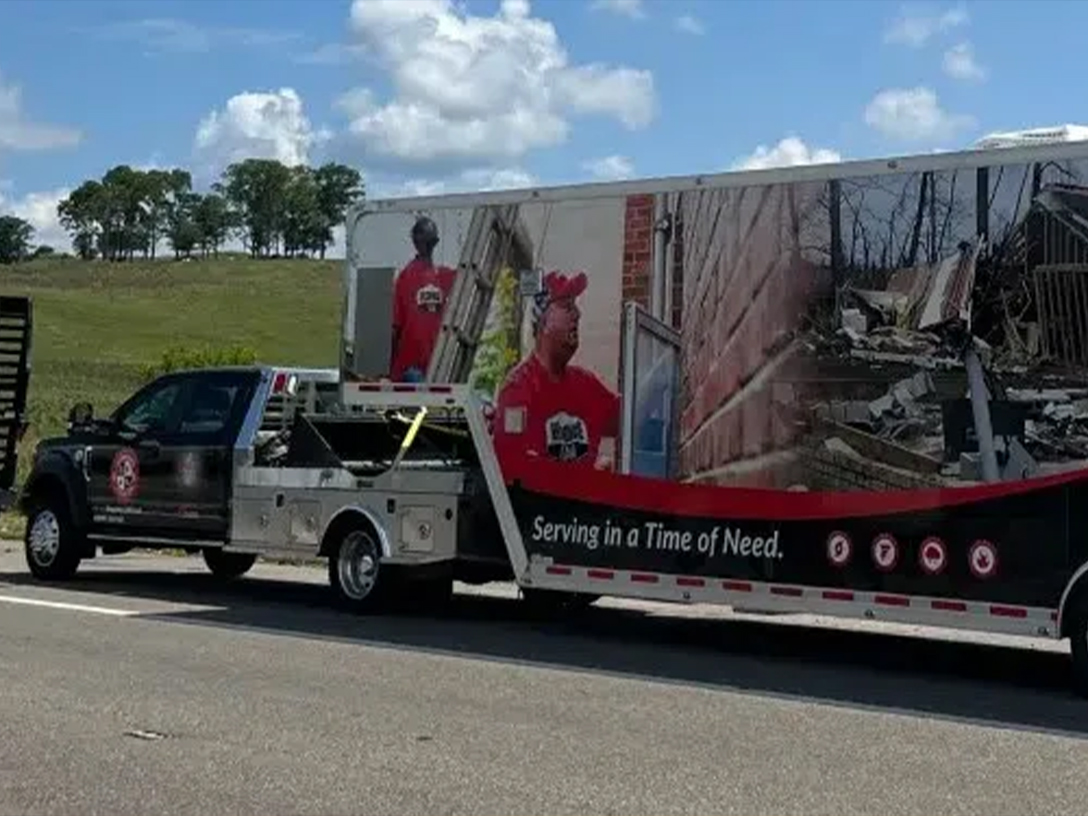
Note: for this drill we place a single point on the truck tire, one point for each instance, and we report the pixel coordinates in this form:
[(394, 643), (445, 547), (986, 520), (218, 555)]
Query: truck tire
[(356, 573), (228, 565), (52, 542), (1076, 624)]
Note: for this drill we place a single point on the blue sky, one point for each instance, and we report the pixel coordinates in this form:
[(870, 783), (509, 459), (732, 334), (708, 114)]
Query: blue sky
[(429, 95)]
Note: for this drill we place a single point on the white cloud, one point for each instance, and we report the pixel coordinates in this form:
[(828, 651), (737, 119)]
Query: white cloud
[(624, 8), (689, 25), (917, 24), (610, 168), (469, 87), (180, 36), (40, 211), (960, 63), (789, 152), (17, 132), (913, 114), (257, 125), (471, 180)]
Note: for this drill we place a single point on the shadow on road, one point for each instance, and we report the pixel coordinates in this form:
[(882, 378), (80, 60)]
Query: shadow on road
[(987, 684)]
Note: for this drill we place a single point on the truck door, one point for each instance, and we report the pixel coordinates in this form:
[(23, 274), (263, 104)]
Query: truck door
[(127, 465), (165, 472)]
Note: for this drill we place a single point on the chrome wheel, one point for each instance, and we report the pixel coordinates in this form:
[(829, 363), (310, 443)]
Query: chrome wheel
[(357, 565), (44, 538)]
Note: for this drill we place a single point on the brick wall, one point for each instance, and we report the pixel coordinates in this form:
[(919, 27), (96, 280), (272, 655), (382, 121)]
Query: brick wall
[(638, 239), (746, 287)]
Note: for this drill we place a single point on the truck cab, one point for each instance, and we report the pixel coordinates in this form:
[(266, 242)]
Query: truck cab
[(157, 470)]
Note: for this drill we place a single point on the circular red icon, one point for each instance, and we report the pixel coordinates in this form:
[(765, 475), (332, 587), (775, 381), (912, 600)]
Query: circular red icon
[(932, 555), (982, 558), (839, 548), (885, 552), (125, 475)]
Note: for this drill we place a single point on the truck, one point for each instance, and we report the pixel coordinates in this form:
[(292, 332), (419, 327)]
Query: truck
[(855, 389)]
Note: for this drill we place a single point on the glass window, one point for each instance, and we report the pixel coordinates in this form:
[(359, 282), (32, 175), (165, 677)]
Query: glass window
[(151, 411)]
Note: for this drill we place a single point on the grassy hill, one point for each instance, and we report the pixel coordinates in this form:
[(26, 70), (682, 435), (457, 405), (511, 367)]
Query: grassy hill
[(96, 324)]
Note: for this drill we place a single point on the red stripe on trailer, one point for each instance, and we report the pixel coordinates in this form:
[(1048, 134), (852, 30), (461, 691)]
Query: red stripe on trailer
[(793, 592), (838, 595), (405, 387), (1008, 611), (736, 586), (368, 387), (601, 574), (440, 389), (558, 570), (949, 606), (692, 582), (892, 600), (644, 578)]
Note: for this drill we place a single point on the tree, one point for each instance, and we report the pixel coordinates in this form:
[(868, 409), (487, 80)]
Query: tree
[(16, 235), (274, 208)]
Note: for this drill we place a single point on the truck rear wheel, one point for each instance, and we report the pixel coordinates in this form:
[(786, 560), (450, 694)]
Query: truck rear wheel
[(1076, 624), (51, 541), (355, 571), (228, 565)]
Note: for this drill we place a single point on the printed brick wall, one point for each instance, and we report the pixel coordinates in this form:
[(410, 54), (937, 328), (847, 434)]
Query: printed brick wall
[(746, 288), (638, 241)]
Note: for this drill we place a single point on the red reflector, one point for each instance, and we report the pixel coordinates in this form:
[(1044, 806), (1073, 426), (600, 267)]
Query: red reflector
[(838, 595), (605, 575), (643, 578), (558, 570), (279, 382), (1009, 611), (441, 389), (949, 606), (693, 582), (892, 600), (736, 586)]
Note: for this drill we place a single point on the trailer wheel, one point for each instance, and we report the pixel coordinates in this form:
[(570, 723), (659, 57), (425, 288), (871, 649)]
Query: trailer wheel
[(228, 565), (1076, 624), (355, 571), (51, 541)]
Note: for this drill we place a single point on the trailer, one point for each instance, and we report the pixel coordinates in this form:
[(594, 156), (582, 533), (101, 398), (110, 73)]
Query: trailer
[(851, 389), (16, 330)]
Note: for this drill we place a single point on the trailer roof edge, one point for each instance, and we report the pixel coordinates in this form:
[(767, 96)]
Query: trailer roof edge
[(911, 163)]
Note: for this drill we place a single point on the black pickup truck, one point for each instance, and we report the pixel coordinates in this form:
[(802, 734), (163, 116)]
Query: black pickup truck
[(16, 329), (153, 473)]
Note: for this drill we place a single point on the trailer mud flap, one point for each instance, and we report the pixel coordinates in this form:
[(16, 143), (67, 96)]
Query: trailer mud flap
[(1009, 543)]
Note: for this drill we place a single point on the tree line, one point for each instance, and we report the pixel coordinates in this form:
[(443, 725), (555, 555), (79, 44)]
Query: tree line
[(275, 210)]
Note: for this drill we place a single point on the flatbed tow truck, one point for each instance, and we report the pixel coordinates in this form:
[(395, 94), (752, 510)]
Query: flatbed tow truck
[(400, 488)]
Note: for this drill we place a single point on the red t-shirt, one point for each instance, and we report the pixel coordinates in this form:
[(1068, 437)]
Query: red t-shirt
[(419, 299), (562, 419)]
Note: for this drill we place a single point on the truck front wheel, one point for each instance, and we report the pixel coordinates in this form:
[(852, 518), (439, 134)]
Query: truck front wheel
[(51, 540), (355, 571)]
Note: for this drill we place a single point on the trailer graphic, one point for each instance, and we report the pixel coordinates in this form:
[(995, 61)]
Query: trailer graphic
[(852, 389)]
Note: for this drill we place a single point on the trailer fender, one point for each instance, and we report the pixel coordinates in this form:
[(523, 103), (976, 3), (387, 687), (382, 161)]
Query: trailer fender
[(1076, 584), (350, 516)]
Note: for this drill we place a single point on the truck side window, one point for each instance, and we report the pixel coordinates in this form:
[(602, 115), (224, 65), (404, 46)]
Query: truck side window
[(209, 412), (152, 412)]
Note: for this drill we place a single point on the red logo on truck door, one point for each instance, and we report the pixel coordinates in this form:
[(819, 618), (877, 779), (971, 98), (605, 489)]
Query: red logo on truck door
[(125, 475)]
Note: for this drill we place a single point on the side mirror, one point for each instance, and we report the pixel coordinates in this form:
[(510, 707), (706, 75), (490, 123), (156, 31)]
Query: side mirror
[(82, 413)]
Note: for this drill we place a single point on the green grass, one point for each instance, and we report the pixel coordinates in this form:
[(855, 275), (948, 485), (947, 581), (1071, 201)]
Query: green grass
[(96, 324)]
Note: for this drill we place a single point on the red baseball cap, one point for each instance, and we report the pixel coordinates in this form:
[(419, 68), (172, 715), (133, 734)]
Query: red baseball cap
[(558, 286)]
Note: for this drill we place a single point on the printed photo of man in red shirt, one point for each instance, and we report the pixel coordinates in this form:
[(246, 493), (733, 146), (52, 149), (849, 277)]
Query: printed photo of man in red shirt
[(548, 408), (419, 299)]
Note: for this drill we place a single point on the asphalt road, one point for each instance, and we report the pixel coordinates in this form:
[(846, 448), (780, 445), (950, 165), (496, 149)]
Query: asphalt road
[(143, 688)]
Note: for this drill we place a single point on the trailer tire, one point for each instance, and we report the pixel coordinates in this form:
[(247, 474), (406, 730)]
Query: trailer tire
[(52, 542), (228, 565), (356, 573), (1076, 624)]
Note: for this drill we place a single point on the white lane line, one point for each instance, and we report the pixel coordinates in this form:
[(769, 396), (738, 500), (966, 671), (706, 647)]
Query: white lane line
[(71, 607)]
